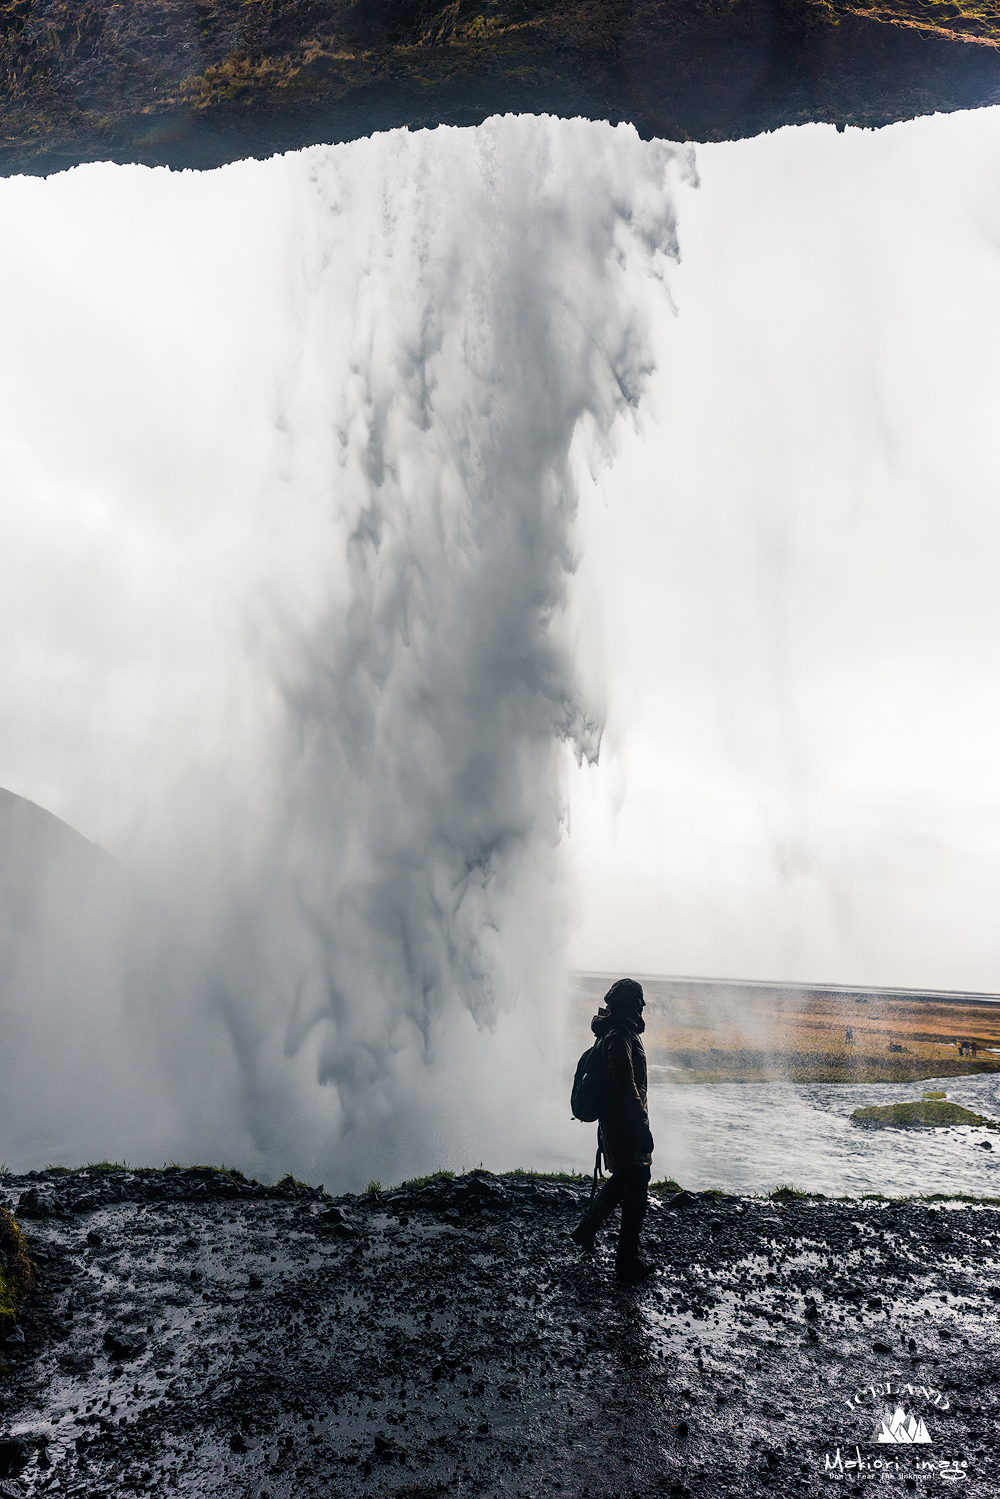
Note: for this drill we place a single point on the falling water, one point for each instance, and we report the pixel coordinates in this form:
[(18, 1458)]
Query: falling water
[(291, 453)]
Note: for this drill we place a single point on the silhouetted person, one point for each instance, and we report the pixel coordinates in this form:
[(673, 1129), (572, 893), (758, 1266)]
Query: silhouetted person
[(623, 1129)]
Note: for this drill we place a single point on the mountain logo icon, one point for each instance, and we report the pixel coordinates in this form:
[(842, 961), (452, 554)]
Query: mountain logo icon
[(903, 1428)]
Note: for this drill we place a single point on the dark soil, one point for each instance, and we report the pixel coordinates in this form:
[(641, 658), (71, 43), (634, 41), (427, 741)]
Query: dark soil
[(193, 1333), (201, 82)]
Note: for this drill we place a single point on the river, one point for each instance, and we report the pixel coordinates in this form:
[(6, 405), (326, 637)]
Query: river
[(753, 1137)]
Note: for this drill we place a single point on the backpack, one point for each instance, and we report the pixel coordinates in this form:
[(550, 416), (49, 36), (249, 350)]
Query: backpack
[(588, 1085)]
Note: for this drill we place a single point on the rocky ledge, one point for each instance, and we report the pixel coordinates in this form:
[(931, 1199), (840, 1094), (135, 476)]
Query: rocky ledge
[(194, 1333), (201, 82)]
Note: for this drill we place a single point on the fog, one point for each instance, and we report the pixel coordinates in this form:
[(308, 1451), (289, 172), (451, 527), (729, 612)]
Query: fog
[(436, 561)]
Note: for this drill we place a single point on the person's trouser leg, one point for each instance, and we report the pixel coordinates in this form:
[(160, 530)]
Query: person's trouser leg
[(607, 1199), (602, 1206), (634, 1196)]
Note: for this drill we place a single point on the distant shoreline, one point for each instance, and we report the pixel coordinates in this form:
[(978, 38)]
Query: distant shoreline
[(730, 1031), (684, 1078), (863, 992)]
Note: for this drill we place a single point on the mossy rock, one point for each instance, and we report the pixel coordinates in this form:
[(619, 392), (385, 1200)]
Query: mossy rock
[(925, 1114), (17, 1273)]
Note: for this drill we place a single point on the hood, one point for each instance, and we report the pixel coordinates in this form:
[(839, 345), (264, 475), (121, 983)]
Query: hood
[(617, 1020)]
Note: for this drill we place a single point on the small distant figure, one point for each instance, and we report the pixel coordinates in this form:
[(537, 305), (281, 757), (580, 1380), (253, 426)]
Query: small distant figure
[(849, 1035), (623, 1136)]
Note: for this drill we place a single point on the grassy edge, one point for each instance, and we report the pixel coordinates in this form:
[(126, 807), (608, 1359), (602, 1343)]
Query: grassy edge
[(779, 1194)]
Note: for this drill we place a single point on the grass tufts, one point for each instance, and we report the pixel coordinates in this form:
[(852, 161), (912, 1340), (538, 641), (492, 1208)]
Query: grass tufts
[(286, 1181), (520, 1174), (955, 1197), (416, 1182), (106, 1168)]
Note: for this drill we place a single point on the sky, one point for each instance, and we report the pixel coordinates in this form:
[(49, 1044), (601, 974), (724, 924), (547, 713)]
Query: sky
[(434, 563)]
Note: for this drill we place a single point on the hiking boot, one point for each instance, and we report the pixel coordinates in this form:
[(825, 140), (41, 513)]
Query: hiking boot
[(634, 1272), (585, 1233)]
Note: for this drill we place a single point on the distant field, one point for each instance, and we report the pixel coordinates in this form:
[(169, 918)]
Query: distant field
[(716, 1032)]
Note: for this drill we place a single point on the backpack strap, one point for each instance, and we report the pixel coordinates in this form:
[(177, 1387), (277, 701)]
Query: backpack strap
[(597, 1167), (599, 1051)]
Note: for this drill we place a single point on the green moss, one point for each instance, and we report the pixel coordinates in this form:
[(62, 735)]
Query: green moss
[(938, 1093), (17, 1273), (789, 1194), (666, 1185), (926, 1113)]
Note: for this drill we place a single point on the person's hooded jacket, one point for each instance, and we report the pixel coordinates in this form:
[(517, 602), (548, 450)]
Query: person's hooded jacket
[(624, 1120)]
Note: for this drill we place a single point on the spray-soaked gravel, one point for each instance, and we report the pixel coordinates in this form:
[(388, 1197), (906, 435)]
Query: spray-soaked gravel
[(191, 1336)]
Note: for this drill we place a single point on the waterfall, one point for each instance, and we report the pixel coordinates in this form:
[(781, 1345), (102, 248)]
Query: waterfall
[(289, 536)]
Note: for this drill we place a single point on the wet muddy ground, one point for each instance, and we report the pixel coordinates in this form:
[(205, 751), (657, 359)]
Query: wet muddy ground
[(191, 1335)]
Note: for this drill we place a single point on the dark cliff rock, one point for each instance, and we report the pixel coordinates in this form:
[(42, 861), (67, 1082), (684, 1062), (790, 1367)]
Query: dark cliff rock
[(201, 82)]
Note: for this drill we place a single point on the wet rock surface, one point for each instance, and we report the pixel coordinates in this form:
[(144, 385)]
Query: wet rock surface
[(192, 1334)]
